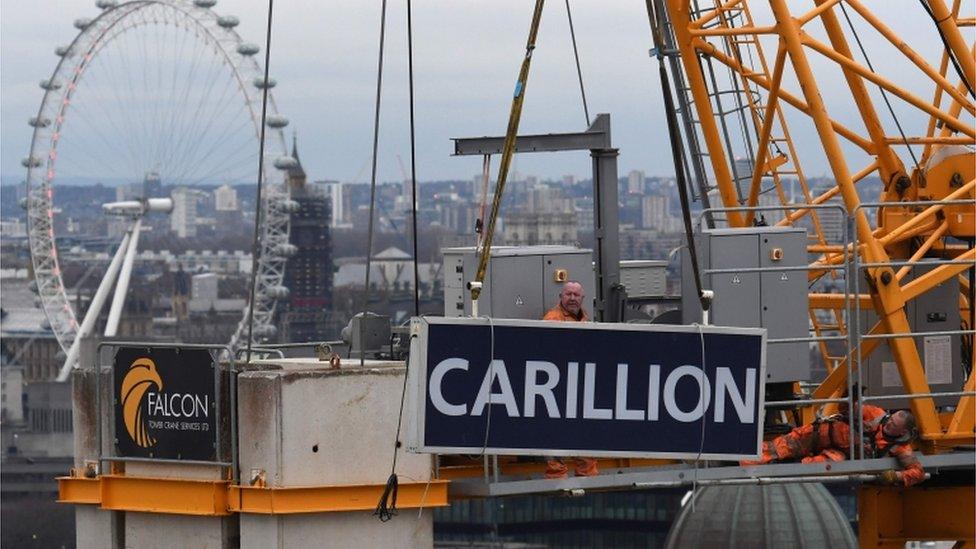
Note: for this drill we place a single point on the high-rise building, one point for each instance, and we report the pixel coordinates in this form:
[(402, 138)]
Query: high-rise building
[(655, 213), (334, 190), (225, 199), (152, 186), (635, 182), (183, 219), (308, 273)]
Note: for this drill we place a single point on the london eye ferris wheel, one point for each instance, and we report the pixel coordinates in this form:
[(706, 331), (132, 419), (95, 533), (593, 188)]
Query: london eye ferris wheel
[(166, 87)]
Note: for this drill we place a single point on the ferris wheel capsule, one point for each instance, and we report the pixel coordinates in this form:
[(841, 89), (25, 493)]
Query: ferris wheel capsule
[(286, 250), (50, 84), (36, 122), (248, 49), (265, 331), (83, 23), (31, 162), (285, 163), (62, 51), (276, 121), (23, 203), (204, 3), (105, 4), (262, 84), (278, 292), (228, 21)]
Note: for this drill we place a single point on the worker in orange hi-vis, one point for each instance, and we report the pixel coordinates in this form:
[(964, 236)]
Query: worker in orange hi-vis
[(829, 439), (569, 309)]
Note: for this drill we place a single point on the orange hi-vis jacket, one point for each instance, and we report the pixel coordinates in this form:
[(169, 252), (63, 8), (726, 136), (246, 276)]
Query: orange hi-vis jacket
[(561, 314), (830, 440)]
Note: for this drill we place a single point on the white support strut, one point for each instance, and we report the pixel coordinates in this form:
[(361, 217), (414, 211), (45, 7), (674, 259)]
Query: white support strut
[(122, 288), (94, 310)]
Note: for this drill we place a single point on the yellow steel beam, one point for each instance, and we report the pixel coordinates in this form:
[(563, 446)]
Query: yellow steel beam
[(325, 499), (220, 497), (963, 423), (686, 43), (888, 162), (79, 490), (890, 516)]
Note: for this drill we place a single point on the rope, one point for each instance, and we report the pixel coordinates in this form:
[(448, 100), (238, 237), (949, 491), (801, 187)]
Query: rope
[(701, 407), (479, 227), (884, 94), (372, 185), (255, 248), (413, 164), (579, 72), (491, 384), (508, 149)]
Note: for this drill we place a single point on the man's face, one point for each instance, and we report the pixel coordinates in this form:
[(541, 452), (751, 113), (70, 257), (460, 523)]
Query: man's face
[(571, 298), (895, 426)]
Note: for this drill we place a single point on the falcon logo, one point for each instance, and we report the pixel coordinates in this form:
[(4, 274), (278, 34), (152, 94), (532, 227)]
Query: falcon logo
[(141, 377)]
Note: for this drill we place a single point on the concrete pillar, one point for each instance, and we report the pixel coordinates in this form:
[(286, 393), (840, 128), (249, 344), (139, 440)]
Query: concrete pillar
[(302, 424), (94, 527)]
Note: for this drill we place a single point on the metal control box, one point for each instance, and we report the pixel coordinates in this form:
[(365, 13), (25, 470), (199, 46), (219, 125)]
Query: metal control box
[(934, 311), (521, 282), (774, 298)]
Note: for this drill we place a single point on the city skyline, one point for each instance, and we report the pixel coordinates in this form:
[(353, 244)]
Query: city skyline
[(328, 96)]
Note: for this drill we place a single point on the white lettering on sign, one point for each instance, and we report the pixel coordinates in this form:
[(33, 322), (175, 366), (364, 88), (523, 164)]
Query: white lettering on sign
[(436, 396), (545, 390), (543, 378), (178, 405), (496, 370)]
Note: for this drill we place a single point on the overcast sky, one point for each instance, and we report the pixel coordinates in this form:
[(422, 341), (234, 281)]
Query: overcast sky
[(467, 55)]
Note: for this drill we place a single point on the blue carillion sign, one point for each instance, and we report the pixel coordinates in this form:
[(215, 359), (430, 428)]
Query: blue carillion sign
[(522, 387)]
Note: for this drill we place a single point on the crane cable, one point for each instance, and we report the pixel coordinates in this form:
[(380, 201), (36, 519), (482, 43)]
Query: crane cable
[(884, 95), (413, 165), (255, 246), (579, 71), (657, 26), (945, 42), (508, 150), (372, 186)]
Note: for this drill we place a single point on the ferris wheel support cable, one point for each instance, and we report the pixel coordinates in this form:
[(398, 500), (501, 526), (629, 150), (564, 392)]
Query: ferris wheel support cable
[(189, 125), (255, 249)]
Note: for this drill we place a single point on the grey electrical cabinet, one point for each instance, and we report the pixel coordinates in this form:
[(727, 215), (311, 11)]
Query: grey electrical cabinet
[(775, 299), (521, 282), (934, 311)]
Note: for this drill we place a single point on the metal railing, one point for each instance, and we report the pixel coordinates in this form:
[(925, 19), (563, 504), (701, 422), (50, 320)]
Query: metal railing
[(858, 266)]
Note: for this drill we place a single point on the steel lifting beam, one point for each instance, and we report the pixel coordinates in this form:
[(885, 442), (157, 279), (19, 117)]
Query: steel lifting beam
[(596, 137), (220, 497), (606, 254)]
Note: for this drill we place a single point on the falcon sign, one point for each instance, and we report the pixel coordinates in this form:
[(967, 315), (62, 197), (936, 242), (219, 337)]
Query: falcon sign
[(523, 387)]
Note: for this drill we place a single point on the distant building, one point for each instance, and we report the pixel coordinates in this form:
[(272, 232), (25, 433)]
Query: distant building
[(128, 191), (183, 219), (152, 186), (655, 213), (13, 228), (335, 190), (308, 273), (225, 199), (535, 228), (204, 288), (635, 182)]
